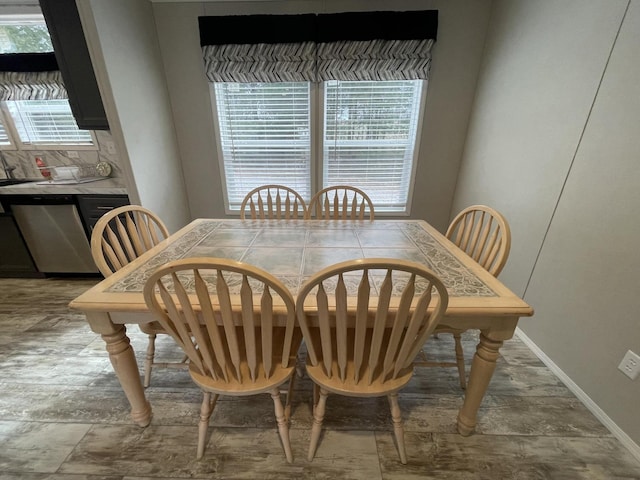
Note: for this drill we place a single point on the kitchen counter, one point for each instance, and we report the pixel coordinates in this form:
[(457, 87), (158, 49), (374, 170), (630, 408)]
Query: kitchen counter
[(109, 186)]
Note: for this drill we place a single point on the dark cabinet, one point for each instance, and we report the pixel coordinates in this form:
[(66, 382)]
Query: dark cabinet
[(15, 260), (72, 54), (92, 207)]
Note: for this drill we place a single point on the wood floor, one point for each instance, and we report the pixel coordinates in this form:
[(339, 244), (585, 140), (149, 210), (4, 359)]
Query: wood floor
[(64, 416)]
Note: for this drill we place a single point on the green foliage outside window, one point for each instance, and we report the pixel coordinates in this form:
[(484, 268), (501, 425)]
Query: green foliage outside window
[(24, 39)]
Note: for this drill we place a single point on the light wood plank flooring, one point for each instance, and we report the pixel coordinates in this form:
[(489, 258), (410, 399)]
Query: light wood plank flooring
[(64, 416)]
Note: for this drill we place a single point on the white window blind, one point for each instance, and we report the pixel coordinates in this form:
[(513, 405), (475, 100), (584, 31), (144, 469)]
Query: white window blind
[(4, 138), (369, 138), (46, 122), (264, 136)]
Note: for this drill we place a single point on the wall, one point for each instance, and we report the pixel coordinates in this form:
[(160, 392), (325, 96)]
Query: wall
[(456, 60), (553, 144), (124, 50)]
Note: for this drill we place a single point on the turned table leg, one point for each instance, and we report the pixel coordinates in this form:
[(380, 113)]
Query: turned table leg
[(124, 363), (484, 363)]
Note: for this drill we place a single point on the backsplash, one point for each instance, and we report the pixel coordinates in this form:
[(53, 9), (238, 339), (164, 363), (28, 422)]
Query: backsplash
[(24, 160)]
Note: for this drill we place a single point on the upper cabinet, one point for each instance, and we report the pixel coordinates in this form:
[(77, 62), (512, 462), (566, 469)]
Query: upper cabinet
[(74, 61)]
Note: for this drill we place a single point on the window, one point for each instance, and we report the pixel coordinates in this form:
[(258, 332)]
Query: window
[(369, 138), (264, 136), (366, 137), (35, 124), (46, 122)]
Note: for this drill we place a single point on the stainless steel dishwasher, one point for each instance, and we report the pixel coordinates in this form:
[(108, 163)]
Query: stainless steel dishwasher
[(54, 233)]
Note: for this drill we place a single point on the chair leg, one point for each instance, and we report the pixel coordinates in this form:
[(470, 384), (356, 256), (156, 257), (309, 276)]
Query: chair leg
[(460, 360), (398, 429), (316, 397), (318, 417), (208, 404), (283, 428), (300, 362), (148, 362), (287, 405)]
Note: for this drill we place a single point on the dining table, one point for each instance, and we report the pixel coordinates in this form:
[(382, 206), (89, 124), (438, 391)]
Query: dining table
[(293, 250)]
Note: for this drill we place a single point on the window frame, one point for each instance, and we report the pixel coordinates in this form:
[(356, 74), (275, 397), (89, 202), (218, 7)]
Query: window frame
[(316, 109)]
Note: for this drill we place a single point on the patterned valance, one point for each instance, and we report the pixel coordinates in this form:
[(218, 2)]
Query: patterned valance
[(343, 46), (263, 62), (259, 48), (374, 60), (30, 76)]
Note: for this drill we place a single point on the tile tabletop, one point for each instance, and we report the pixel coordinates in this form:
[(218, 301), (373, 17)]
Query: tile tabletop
[(294, 250)]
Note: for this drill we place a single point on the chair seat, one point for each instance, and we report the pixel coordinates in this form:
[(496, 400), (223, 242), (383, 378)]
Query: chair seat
[(352, 389), (247, 387)]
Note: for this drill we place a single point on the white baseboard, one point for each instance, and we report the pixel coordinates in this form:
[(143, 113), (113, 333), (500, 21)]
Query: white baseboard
[(617, 432)]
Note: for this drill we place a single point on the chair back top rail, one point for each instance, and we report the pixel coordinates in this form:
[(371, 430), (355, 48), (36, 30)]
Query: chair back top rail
[(484, 234), (122, 235), (341, 202), (269, 202)]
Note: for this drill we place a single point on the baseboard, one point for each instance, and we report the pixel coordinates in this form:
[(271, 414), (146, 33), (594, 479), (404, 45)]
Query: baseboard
[(617, 432)]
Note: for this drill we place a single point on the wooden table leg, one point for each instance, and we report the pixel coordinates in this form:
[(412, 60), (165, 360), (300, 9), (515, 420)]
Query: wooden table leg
[(124, 363), (484, 363)]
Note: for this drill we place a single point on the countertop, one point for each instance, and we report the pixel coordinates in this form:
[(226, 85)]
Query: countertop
[(109, 186)]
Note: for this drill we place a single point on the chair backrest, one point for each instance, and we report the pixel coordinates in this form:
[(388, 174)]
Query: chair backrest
[(122, 235), (223, 315), (369, 337), (341, 202), (269, 202), (484, 234)]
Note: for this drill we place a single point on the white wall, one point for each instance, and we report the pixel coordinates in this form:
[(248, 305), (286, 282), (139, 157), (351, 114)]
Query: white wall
[(591, 251), (456, 60), (545, 133), (124, 49)]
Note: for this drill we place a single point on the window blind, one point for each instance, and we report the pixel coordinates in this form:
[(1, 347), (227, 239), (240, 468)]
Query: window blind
[(369, 138), (46, 122), (264, 133), (4, 138)]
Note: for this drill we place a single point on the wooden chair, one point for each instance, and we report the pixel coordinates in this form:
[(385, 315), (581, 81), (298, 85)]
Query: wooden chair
[(273, 202), (483, 234), (341, 202), (232, 339), (118, 238), (364, 345)]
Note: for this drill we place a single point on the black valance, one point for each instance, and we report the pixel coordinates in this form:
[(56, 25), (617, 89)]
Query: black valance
[(361, 26), (343, 46), (30, 76), (254, 29), (28, 62)]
